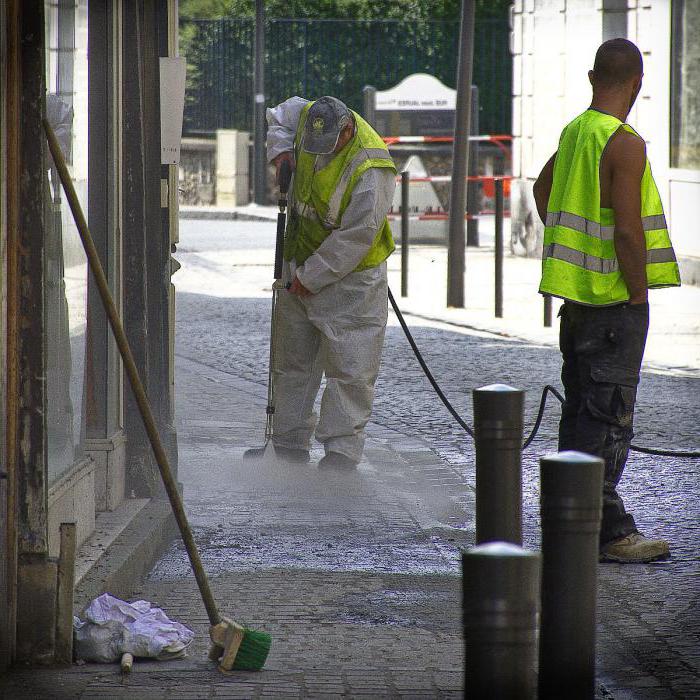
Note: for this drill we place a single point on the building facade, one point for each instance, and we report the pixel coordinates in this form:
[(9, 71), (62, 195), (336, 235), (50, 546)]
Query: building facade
[(554, 44), (71, 442)]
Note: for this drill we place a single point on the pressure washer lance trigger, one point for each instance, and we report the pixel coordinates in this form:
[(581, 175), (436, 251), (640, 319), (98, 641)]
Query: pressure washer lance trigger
[(284, 178)]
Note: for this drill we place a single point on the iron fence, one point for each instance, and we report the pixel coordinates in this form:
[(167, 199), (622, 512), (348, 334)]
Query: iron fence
[(310, 58)]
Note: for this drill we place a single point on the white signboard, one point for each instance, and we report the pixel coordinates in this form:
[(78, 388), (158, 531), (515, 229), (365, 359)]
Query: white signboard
[(418, 92), (172, 105)]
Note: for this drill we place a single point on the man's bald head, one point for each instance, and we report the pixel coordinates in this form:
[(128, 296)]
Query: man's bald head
[(616, 63)]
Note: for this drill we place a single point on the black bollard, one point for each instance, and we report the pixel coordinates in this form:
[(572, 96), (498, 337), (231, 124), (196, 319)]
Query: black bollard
[(498, 437), (500, 596), (498, 250), (405, 184), (570, 502), (547, 311)]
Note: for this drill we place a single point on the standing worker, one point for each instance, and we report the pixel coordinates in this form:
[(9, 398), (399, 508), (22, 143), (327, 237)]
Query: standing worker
[(332, 318), (606, 244)]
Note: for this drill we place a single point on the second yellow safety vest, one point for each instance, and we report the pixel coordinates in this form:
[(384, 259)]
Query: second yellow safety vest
[(578, 257)]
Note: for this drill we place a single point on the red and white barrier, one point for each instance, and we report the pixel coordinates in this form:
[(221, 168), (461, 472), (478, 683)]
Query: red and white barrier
[(448, 178), (493, 138), (488, 180), (442, 216)]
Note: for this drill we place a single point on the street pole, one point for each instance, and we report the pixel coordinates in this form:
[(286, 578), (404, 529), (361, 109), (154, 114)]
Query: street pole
[(460, 158), (369, 97), (473, 186), (259, 154)]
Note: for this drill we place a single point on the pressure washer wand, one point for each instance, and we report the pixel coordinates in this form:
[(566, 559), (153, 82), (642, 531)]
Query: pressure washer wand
[(284, 178)]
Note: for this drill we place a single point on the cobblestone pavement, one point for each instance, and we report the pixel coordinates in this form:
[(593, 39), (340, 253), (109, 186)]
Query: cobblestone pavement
[(650, 618), (357, 576), (649, 632)]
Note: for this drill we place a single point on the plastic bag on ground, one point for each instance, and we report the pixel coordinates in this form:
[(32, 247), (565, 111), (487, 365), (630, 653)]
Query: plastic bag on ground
[(113, 627)]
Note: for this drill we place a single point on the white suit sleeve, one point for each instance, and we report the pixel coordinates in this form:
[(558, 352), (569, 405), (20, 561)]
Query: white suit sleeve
[(345, 247), (282, 122)]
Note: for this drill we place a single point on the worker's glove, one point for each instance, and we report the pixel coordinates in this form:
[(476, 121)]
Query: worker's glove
[(287, 156)]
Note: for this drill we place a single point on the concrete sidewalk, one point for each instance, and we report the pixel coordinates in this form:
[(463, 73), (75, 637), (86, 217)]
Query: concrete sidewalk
[(673, 344)]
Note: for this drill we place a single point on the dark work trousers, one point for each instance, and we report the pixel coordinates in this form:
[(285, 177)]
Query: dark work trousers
[(602, 349)]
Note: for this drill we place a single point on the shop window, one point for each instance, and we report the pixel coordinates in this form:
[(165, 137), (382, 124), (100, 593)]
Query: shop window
[(66, 266), (685, 84)]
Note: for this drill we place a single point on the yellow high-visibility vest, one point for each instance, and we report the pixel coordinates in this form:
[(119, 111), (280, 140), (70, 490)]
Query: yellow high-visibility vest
[(320, 196), (578, 257)]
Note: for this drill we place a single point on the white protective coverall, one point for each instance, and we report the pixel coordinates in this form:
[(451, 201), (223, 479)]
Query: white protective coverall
[(339, 329)]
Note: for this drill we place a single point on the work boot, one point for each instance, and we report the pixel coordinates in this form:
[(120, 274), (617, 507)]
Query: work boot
[(634, 549), (285, 454), (335, 460)]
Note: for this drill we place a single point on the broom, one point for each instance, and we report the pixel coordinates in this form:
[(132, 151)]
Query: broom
[(234, 646)]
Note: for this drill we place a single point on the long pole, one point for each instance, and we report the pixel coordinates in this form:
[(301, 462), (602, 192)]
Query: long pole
[(259, 154), (134, 379), (460, 158)]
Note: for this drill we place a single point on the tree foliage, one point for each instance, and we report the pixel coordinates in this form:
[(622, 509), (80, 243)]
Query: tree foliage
[(333, 47), (340, 9)]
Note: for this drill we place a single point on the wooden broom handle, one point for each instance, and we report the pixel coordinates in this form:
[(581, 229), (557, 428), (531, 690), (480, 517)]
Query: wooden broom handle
[(134, 379)]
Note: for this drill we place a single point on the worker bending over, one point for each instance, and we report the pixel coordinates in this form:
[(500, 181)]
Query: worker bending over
[(605, 244), (332, 319)]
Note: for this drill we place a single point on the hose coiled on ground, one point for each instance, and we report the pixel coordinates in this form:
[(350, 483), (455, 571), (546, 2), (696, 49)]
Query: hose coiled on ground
[(548, 389)]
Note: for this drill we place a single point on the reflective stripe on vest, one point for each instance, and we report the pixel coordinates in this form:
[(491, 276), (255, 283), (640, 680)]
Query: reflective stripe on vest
[(592, 228), (604, 266), (333, 214)]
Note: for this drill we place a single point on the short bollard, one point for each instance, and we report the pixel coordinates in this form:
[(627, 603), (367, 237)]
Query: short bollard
[(570, 503), (500, 597), (498, 437), (547, 310)]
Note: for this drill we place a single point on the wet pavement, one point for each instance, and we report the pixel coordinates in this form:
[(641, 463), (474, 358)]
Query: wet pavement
[(356, 575)]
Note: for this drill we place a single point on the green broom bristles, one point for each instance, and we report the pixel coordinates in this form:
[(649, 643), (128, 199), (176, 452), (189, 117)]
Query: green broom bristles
[(253, 651)]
